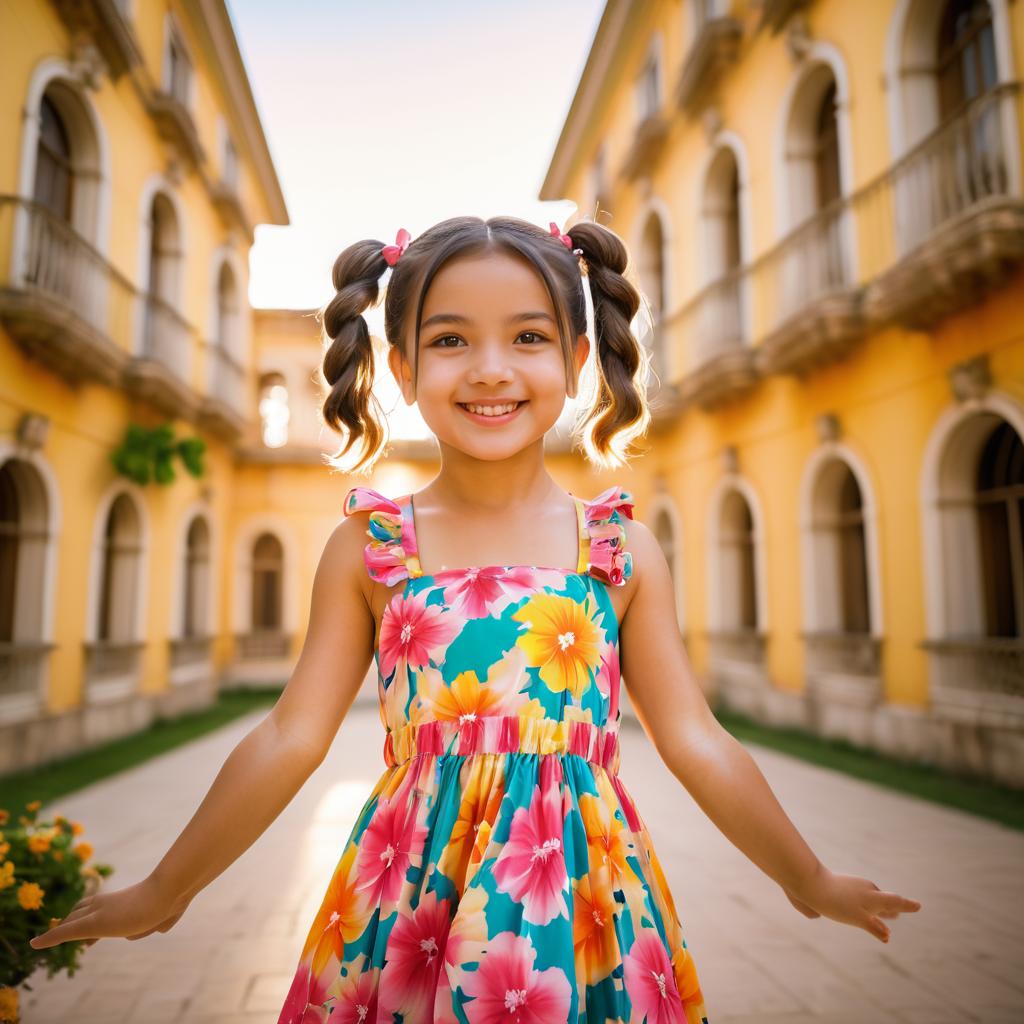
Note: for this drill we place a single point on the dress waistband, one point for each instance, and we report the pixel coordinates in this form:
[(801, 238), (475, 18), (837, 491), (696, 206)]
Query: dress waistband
[(505, 734)]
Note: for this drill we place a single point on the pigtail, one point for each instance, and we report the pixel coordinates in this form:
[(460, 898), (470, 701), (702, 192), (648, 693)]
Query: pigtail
[(618, 412), (351, 407)]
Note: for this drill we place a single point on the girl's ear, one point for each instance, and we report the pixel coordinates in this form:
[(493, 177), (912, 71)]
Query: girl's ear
[(579, 358), (402, 373)]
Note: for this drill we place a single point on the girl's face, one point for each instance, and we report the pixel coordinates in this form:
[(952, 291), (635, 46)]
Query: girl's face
[(488, 340)]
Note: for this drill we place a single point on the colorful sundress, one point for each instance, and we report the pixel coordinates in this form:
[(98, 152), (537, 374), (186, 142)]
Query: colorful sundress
[(499, 871)]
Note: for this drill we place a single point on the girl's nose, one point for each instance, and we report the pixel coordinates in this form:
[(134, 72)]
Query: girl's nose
[(490, 366)]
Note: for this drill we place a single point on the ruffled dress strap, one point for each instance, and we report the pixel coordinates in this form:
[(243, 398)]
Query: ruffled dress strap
[(603, 553), (391, 555)]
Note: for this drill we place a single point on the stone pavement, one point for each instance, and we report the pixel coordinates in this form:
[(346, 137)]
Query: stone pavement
[(230, 958)]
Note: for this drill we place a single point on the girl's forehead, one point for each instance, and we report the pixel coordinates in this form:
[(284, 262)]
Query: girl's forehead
[(490, 282)]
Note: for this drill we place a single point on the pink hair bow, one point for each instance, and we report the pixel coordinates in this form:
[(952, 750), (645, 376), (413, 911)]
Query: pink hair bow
[(391, 253), (558, 234)]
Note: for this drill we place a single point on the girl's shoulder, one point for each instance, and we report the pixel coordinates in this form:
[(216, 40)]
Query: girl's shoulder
[(391, 554)]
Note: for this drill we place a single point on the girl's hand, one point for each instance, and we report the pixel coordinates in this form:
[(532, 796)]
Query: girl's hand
[(132, 913), (852, 900)]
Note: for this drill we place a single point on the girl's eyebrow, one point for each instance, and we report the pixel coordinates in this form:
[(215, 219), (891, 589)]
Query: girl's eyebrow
[(457, 318)]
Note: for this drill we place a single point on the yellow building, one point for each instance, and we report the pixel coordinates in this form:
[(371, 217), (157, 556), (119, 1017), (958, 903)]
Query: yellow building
[(132, 172), (824, 204)]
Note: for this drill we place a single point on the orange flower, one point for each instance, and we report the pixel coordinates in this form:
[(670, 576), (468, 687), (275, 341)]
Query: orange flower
[(34, 805), (83, 850), (6, 874), (5, 816), (30, 896), (481, 798), (342, 916), (4, 847), (685, 972), (77, 828), (8, 1002), (593, 929), (562, 639), (608, 842), (39, 843)]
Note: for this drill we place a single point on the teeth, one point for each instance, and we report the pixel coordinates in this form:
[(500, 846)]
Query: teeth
[(491, 410)]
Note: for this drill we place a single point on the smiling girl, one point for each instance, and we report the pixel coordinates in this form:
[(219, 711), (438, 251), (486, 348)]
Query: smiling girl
[(500, 870)]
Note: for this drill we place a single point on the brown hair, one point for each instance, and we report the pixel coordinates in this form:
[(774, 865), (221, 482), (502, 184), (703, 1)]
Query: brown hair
[(615, 414)]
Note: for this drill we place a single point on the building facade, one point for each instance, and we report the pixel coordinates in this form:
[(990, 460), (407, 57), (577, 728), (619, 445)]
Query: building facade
[(133, 173), (824, 205)]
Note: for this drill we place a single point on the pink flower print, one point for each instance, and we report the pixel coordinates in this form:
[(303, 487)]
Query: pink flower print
[(650, 981), (507, 990), (357, 997), (531, 864), (303, 1004), (479, 591), (414, 958), (412, 632), (392, 842)]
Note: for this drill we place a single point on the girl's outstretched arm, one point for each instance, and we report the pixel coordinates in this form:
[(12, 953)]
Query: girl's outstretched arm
[(717, 771), (267, 767)]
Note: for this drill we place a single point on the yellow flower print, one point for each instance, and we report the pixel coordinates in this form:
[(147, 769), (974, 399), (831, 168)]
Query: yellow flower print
[(30, 896), (562, 639)]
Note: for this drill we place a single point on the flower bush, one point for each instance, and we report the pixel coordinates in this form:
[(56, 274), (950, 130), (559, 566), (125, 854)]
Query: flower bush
[(43, 874)]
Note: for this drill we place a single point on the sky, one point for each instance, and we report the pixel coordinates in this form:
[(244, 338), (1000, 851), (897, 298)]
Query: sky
[(400, 114), (397, 114)]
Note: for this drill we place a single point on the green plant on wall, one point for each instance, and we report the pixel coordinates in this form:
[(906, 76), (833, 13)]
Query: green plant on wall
[(147, 453)]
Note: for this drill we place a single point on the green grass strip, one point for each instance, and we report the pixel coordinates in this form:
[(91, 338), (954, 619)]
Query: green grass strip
[(59, 778), (976, 796)]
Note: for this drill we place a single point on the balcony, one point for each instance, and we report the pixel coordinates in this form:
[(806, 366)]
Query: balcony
[(958, 216), (223, 409), (263, 643), (229, 206), (978, 681), (714, 49), (775, 14), (175, 125), (160, 374), (810, 304), (62, 303), (105, 23), (719, 366), (648, 143)]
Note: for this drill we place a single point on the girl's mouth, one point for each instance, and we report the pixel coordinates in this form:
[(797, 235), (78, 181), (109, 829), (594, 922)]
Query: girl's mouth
[(489, 414)]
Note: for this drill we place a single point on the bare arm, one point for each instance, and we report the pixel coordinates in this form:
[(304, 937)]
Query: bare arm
[(267, 767), (716, 770)]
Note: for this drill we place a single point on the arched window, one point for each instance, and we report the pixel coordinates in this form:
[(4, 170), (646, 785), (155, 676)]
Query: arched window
[(164, 250), (737, 564), (195, 617), (965, 55), (718, 326), (826, 150), (1000, 512), (119, 581), (54, 175), (273, 410), (666, 537), (652, 278), (267, 583), (856, 616), (227, 310)]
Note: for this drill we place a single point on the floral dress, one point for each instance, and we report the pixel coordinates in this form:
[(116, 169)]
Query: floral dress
[(499, 871)]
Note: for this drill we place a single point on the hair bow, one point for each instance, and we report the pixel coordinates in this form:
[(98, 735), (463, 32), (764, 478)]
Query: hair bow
[(391, 253), (558, 234)]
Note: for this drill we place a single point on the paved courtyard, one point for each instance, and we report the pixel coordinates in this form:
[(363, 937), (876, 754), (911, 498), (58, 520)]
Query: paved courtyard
[(230, 958)]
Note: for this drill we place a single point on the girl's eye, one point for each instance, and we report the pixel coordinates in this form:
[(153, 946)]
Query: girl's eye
[(439, 342)]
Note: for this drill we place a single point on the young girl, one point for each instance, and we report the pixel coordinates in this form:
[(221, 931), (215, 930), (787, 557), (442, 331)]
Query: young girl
[(500, 870)]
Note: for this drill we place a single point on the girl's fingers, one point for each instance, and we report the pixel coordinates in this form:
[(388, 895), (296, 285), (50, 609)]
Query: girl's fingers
[(64, 932), (878, 928)]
